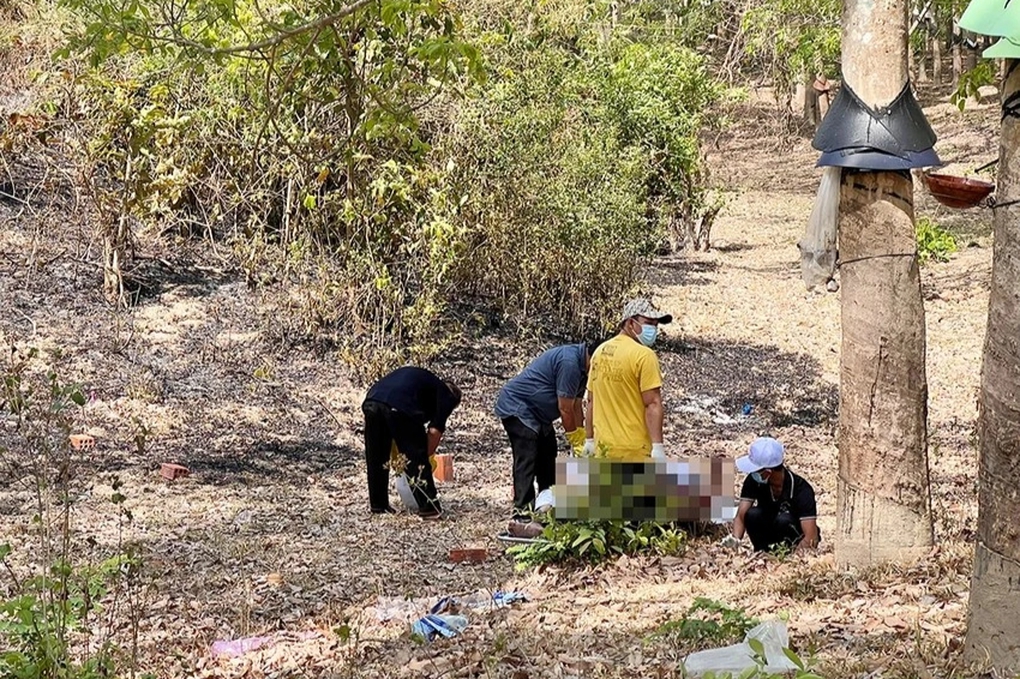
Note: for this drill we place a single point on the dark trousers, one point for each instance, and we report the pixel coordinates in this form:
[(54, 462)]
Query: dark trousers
[(770, 529), (534, 455), (383, 427)]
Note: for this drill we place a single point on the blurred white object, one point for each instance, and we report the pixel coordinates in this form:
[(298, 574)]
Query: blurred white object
[(545, 500), (658, 451), (406, 494)]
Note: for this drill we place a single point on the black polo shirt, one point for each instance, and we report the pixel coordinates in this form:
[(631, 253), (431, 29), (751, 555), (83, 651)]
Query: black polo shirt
[(415, 392), (798, 497)]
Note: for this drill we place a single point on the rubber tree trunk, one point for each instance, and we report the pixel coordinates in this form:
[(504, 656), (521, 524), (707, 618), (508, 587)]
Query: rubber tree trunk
[(812, 114), (936, 58), (922, 62), (957, 54), (970, 53), (883, 500), (993, 629), (911, 63)]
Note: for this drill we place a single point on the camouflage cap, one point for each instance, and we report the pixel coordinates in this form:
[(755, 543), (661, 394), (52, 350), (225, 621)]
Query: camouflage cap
[(643, 307)]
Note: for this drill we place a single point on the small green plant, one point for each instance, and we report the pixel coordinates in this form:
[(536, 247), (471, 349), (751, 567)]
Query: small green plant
[(781, 551), (933, 242), (40, 621), (595, 541), (50, 591), (711, 621), (972, 81)]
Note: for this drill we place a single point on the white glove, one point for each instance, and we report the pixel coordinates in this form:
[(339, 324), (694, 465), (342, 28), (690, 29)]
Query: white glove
[(589, 447), (658, 451), (730, 541)]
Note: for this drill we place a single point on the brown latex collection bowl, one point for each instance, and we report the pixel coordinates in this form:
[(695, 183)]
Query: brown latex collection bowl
[(958, 192)]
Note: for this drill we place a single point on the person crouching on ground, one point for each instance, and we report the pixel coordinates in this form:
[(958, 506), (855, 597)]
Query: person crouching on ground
[(777, 507), (407, 408), (550, 388)]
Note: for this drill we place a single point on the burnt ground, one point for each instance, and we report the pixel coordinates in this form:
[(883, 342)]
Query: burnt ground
[(270, 533)]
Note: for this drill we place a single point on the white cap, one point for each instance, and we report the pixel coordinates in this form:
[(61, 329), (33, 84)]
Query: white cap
[(764, 453)]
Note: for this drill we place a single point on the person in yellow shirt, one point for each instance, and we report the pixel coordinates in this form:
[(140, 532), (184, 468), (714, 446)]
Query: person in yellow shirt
[(624, 418)]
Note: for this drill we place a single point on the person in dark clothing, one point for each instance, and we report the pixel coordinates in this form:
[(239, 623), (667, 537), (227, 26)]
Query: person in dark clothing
[(406, 409), (777, 507), (550, 388)]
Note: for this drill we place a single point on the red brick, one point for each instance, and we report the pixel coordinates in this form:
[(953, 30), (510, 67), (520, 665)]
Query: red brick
[(172, 471), (469, 554), (82, 442)]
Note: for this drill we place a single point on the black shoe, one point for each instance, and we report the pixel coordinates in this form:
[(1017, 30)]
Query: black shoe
[(384, 510), (431, 515)]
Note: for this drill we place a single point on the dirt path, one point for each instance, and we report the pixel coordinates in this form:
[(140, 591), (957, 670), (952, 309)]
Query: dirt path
[(270, 533)]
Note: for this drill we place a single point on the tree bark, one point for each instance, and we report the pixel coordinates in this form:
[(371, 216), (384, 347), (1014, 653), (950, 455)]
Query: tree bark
[(957, 54), (883, 500), (922, 62), (993, 628), (116, 239), (936, 58), (970, 53), (911, 62), (811, 112)]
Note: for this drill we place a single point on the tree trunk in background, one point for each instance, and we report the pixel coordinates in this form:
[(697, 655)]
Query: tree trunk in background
[(883, 501), (116, 241), (970, 53), (922, 63), (911, 63), (812, 115), (957, 55), (993, 628), (936, 59)]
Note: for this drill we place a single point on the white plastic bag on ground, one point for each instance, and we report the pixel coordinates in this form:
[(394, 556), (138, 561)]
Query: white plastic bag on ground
[(406, 494), (818, 247), (739, 657)]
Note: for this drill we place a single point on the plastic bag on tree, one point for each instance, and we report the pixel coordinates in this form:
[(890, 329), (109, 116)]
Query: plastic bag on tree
[(739, 657), (818, 247)]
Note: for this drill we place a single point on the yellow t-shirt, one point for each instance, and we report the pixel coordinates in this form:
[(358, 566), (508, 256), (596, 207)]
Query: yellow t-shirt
[(620, 370)]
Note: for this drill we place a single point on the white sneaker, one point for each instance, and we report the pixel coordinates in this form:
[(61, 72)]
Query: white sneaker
[(545, 501)]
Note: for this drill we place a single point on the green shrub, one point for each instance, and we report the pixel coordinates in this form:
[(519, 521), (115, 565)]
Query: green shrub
[(378, 171), (45, 624), (933, 242), (971, 82), (661, 96), (709, 622), (595, 541), (786, 40), (52, 624), (556, 200)]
